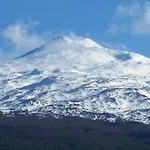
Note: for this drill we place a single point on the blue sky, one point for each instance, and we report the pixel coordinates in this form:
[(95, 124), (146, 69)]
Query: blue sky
[(117, 24)]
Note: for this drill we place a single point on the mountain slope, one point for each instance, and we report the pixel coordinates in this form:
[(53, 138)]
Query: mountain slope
[(77, 77)]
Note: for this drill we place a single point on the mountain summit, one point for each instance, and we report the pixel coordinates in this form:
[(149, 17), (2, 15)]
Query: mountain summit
[(77, 77)]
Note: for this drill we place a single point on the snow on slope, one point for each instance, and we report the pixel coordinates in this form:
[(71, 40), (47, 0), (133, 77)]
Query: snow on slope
[(77, 77)]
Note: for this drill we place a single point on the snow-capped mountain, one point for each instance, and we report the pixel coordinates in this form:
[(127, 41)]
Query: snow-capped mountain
[(77, 77)]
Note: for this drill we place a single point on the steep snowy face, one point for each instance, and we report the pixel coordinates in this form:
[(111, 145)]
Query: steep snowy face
[(77, 77)]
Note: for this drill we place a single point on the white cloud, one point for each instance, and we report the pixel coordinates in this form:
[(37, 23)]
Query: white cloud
[(21, 36), (133, 18), (142, 24), (114, 29), (74, 36), (128, 10)]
